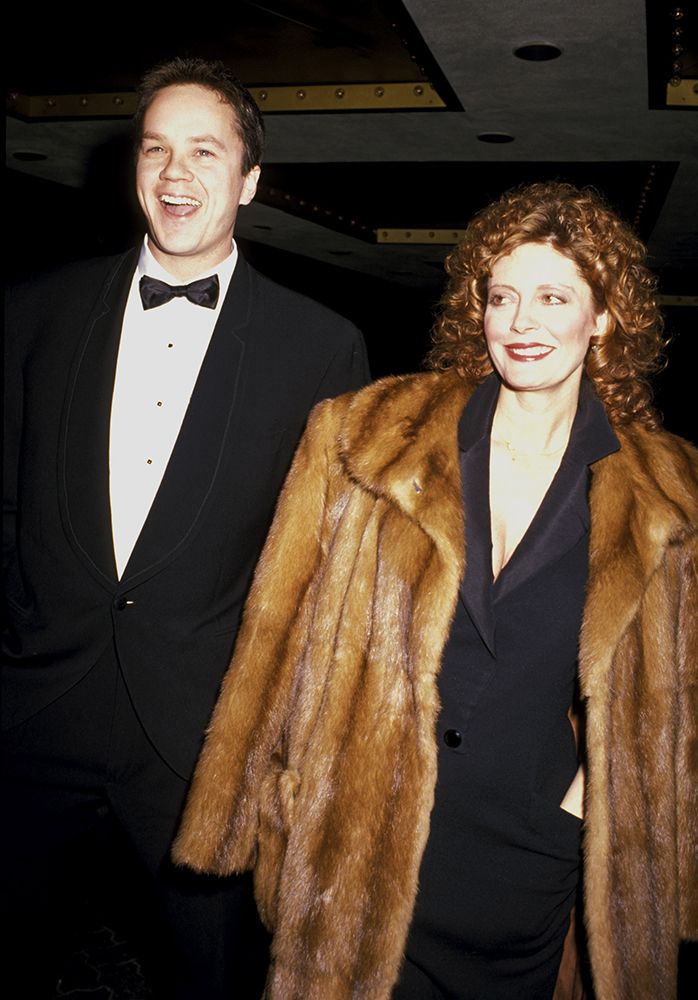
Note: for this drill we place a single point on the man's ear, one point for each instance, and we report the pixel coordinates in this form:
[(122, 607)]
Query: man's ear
[(249, 187)]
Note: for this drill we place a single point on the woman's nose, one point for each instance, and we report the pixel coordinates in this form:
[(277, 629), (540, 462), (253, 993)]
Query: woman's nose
[(524, 318)]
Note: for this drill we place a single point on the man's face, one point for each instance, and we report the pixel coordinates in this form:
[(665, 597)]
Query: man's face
[(189, 179)]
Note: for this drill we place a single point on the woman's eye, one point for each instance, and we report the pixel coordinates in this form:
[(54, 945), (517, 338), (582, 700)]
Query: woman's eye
[(553, 299), (496, 299)]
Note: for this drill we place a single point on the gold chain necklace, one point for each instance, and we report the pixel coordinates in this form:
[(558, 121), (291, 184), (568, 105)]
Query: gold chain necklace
[(513, 452)]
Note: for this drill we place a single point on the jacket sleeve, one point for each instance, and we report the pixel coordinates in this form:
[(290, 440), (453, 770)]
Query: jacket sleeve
[(348, 370), (242, 756), (12, 410)]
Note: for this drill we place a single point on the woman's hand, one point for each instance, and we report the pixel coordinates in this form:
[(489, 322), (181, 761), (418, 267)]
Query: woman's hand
[(573, 802)]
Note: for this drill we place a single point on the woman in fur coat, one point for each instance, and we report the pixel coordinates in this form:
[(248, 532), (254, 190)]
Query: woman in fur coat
[(457, 559)]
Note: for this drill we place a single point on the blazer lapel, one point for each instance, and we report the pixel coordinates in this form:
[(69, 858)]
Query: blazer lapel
[(563, 516), (476, 585), (83, 461), (559, 523), (180, 502)]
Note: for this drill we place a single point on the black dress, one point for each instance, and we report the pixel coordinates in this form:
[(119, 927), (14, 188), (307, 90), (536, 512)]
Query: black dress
[(499, 875)]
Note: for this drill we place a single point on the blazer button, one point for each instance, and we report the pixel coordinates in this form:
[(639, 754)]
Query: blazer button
[(452, 738), (120, 603)]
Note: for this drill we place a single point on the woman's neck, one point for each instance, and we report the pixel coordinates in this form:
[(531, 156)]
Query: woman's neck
[(534, 423)]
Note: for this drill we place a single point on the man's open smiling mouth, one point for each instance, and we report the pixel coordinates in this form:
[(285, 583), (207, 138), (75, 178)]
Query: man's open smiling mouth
[(179, 205), (175, 199)]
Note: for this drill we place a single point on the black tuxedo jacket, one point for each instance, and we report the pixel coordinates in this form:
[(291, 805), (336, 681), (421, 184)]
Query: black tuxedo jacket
[(175, 612)]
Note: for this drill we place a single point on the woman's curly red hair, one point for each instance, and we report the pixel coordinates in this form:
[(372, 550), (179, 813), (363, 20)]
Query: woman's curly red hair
[(610, 258)]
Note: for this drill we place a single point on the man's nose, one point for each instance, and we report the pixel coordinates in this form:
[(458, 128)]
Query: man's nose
[(176, 168)]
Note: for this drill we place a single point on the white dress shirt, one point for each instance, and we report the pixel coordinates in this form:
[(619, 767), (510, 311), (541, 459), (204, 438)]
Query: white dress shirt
[(160, 355)]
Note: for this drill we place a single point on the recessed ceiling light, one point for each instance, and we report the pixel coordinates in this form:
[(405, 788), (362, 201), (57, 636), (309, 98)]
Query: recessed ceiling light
[(495, 137), (538, 51), (28, 155)]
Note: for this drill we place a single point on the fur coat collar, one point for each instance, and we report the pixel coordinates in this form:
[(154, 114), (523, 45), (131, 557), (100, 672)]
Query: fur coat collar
[(319, 767)]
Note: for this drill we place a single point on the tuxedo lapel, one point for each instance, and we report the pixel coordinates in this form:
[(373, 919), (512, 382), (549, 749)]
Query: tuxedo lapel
[(180, 502), (83, 462)]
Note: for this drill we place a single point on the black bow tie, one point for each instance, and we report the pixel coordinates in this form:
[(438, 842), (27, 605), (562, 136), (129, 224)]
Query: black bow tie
[(203, 292)]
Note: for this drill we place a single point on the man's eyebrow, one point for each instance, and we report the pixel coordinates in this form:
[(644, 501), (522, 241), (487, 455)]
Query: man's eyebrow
[(211, 139), (194, 139)]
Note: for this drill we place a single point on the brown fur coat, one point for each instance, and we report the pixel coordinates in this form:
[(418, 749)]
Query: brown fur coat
[(319, 767)]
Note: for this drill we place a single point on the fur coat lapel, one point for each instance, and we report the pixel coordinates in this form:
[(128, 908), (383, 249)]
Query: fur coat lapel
[(643, 501), (399, 440), (319, 767)]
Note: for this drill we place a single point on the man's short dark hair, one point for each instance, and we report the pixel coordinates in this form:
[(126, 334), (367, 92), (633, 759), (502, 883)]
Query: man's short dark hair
[(216, 77)]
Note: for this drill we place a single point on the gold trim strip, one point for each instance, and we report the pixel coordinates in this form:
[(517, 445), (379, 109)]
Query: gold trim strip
[(313, 97), (347, 97), (677, 300), (405, 236), (120, 105), (685, 95)]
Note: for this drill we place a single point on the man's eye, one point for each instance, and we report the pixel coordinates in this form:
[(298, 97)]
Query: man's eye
[(154, 149), (205, 153)]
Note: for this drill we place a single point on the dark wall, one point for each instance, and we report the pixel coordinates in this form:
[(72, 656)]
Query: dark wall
[(49, 224)]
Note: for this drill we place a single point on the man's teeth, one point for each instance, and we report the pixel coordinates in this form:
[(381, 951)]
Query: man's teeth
[(171, 199)]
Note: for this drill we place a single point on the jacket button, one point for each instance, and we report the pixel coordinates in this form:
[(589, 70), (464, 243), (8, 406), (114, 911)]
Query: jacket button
[(120, 603), (452, 738)]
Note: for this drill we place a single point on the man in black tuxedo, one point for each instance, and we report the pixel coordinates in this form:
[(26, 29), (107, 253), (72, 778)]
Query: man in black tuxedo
[(154, 401)]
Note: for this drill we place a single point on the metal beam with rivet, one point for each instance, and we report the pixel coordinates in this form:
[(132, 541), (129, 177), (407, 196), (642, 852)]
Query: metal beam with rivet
[(404, 236)]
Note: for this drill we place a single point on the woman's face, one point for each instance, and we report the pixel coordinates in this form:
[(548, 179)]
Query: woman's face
[(539, 318)]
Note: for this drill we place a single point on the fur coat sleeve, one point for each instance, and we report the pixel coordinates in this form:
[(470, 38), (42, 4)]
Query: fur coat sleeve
[(243, 791), (639, 679)]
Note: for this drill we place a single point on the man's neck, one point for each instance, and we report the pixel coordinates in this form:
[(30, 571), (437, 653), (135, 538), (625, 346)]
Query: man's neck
[(182, 270)]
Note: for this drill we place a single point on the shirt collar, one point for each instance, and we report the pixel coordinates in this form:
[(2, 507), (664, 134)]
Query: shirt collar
[(147, 264), (591, 438)]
